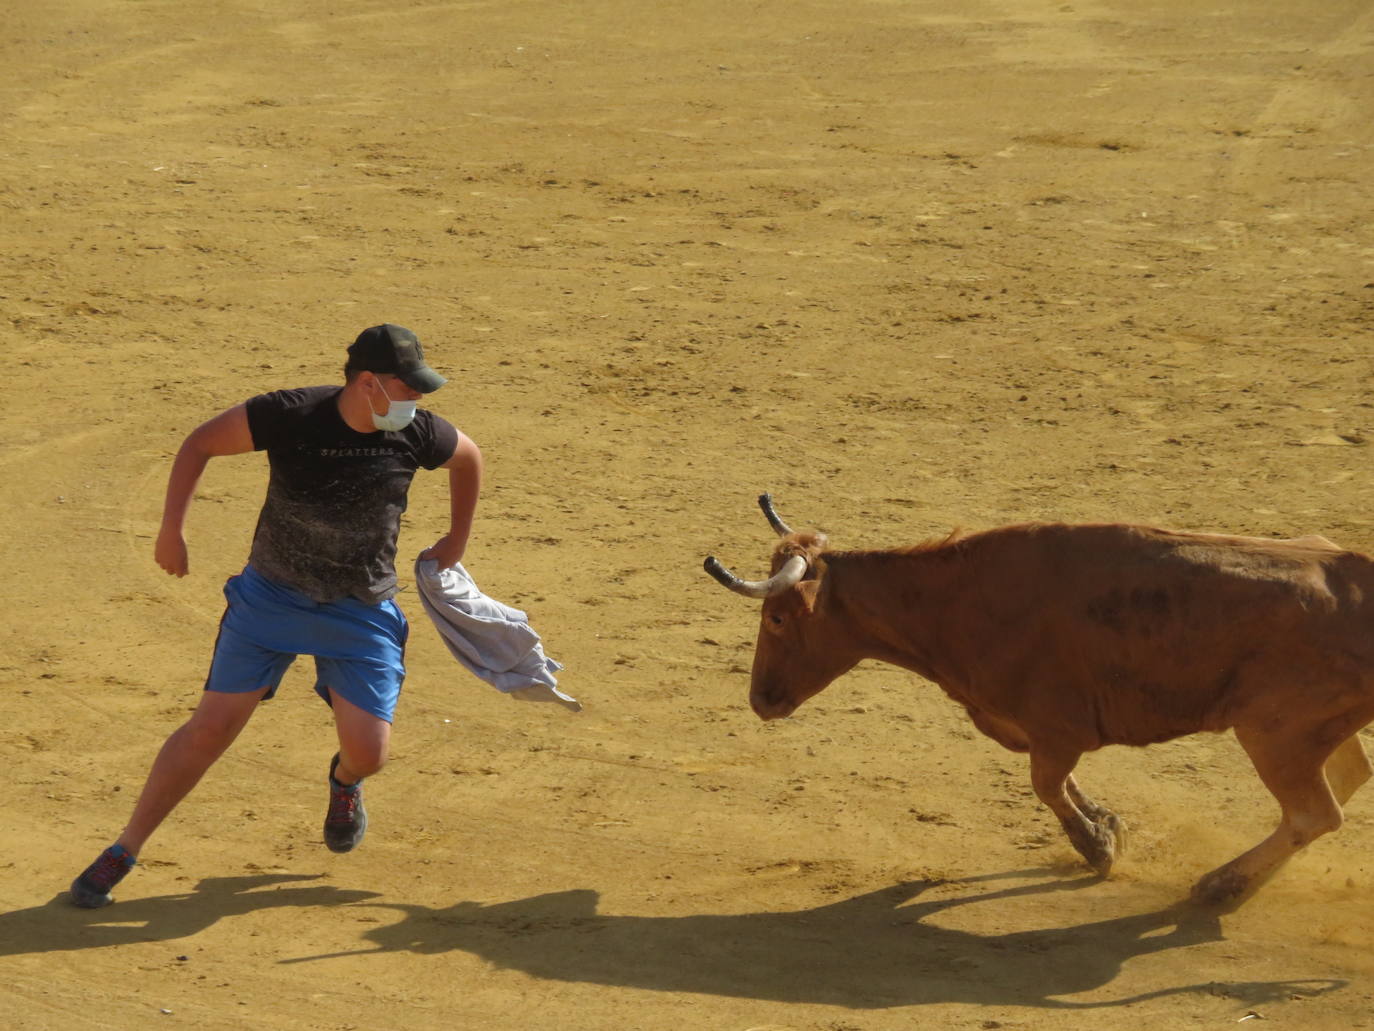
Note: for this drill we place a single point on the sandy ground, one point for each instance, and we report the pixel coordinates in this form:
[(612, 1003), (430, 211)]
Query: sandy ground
[(908, 265)]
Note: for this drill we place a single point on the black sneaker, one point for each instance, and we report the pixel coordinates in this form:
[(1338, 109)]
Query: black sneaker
[(92, 889), (346, 821)]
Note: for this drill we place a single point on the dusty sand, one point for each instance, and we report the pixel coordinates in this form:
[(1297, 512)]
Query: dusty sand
[(909, 266)]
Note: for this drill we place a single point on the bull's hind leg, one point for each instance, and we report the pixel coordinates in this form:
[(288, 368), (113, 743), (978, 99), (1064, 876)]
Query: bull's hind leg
[(1292, 770), (1347, 768), (1092, 829)]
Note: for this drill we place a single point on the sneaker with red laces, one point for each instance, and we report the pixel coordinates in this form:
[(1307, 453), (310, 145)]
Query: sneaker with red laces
[(346, 821), (92, 888)]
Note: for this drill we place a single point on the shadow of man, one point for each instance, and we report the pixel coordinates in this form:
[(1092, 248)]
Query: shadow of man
[(58, 926), (869, 951)]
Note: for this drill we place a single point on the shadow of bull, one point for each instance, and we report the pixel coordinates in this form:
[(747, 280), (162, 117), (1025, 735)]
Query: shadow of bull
[(870, 951)]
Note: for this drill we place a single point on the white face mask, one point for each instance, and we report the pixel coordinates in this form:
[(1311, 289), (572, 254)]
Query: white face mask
[(399, 414)]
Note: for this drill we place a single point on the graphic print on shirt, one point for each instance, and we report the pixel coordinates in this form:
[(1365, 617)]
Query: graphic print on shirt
[(329, 523)]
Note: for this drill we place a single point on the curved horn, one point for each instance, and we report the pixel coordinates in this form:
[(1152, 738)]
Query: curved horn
[(788, 576), (766, 503)]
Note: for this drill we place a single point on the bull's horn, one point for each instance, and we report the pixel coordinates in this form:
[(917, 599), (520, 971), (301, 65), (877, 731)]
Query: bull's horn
[(788, 576), (766, 503)]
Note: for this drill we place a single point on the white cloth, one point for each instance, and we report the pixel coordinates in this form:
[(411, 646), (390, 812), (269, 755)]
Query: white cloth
[(491, 639)]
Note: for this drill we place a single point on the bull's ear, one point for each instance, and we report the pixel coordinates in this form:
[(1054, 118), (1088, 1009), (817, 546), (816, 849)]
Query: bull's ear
[(818, 584)]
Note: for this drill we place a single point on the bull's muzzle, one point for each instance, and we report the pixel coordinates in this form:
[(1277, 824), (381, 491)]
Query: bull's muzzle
[(771, 704)]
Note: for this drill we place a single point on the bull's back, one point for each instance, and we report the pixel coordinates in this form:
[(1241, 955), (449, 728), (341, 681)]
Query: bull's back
[(1131, 635)]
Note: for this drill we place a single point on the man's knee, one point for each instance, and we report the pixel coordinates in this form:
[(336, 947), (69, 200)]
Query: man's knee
[(364, 738), (364, 762)]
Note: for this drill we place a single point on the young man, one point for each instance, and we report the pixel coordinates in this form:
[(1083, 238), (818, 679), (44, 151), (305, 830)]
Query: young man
[(320, 575)]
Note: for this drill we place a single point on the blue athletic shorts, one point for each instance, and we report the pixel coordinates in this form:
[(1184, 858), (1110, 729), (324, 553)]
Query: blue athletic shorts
[(359, 649)]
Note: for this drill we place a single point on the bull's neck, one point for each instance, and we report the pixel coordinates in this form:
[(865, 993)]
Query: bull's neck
[(893, 602)]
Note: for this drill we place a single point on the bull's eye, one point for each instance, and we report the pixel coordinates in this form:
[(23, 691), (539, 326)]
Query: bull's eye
[(775, 619)]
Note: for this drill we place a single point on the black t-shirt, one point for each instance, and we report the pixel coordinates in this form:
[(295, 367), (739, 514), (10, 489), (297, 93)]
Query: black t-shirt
[(329, 524)]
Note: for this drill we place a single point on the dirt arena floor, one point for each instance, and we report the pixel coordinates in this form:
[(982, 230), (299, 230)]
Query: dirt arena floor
[(907, 264)]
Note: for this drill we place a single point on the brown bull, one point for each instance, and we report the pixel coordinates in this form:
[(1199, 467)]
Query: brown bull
[(1060, 639)]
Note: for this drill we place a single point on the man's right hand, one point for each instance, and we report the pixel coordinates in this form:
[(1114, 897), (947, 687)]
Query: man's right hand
[(170, 552), (226, 434)]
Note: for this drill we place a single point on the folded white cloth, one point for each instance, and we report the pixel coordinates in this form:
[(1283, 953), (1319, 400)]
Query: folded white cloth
[(491, 639)]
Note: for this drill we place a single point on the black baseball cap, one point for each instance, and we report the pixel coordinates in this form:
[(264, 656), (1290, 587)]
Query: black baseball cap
[(394, 349)]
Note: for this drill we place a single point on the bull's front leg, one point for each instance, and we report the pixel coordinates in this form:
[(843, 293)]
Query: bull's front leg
[(1094, 830), (1098, 814)]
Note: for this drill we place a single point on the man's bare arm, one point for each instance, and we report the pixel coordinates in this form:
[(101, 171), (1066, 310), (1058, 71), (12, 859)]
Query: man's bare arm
[(464, 486), (225, 434)]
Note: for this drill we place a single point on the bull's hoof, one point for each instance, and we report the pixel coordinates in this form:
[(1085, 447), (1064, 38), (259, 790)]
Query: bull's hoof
[(1106, 845), (1222, 887), (1116, 826)]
